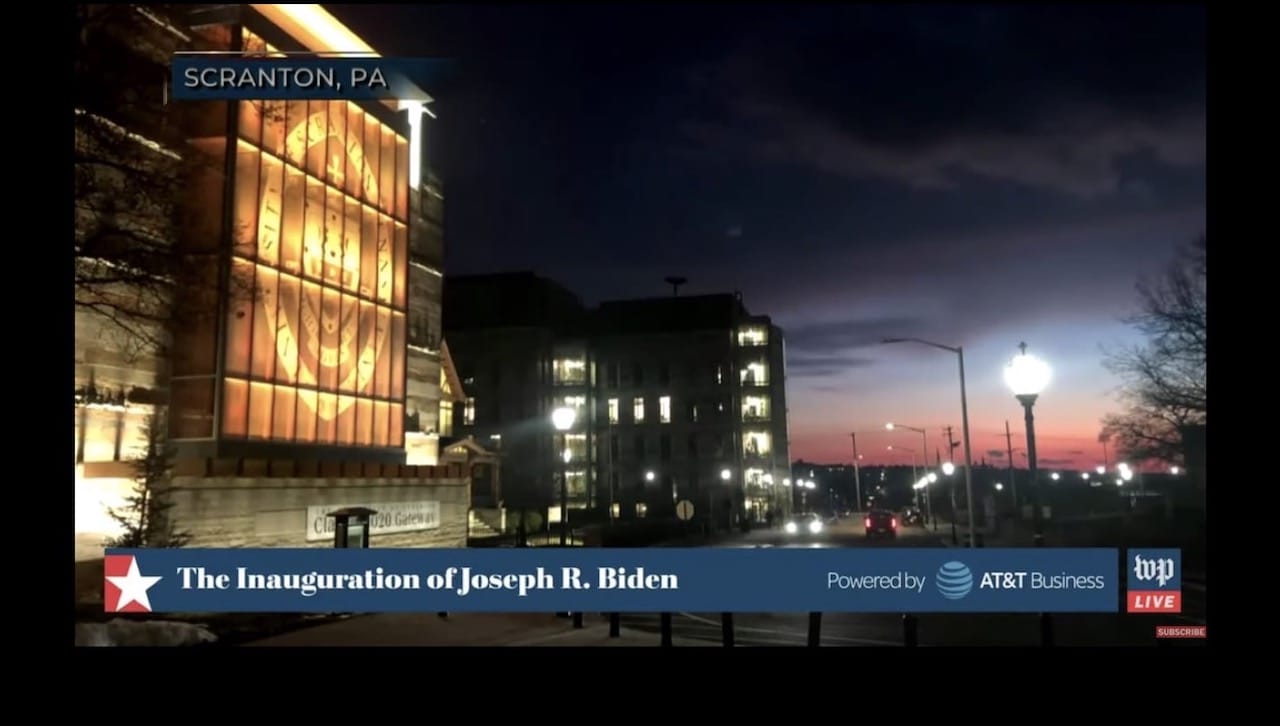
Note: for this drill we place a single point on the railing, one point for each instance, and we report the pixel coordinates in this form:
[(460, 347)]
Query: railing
[(910, 629)]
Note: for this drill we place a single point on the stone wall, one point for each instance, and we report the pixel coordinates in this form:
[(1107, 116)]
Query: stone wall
[(272, 512)]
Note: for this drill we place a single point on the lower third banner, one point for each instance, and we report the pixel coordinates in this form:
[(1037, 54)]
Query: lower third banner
[(609, 580)]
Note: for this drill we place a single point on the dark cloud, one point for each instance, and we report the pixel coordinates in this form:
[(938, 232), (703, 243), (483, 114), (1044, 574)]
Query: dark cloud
[(845, 334), (926, 98), (995, 453), (821, 366)]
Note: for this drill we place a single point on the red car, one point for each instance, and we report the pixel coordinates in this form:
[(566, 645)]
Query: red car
[(879, 523)]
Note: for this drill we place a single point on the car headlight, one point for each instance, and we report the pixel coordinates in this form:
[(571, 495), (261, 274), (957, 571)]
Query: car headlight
[(791, 527), (815, 527)]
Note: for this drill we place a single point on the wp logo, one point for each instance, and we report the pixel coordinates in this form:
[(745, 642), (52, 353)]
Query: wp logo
[(1155, 581)]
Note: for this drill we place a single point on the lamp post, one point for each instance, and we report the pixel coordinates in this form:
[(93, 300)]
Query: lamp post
[(949, 469), (562, 418), (857, 476), (914, 471), (1027, 376), (964, 420)]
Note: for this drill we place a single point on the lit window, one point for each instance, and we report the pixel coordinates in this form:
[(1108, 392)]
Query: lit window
[(469, 413), (753, 336), (754, 476), (757, 443), (641, 509), (637, 409), (755, 408), (569, 372), (613, 410), (446, 417), (575, 402), (755, 374), (576, 445), (664, 409)]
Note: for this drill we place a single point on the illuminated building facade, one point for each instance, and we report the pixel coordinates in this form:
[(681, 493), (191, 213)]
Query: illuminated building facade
[(672, 394), (304, 371)]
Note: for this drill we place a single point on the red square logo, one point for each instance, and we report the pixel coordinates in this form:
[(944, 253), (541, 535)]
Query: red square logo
[(124, 589)]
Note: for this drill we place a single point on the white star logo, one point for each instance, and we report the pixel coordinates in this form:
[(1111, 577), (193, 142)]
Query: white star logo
[(133, 587)]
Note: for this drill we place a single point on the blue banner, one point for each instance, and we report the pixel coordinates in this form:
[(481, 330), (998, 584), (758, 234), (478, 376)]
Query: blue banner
[(608, 580), (226, 77)]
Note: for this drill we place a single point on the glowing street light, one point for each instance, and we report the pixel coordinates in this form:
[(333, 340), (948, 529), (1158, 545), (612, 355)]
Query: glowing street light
[(999, 487), (649, 476), (725, 474), (1028, 376), (563, 419), (1101, 469), (948, 468), (1055, 476), (1174, 470)]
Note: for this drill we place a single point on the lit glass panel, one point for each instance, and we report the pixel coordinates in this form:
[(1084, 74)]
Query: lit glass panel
[(244, 229), (235, 407), (263, 355), (322, 329), (381, 423), (397, 362), (364, 422), (400, 265), (285, 413), (402, 178), (240, 319), (260, 404), (293, 198)]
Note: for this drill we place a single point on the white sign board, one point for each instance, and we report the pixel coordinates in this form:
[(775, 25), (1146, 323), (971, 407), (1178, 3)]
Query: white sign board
[(390, 518), (684, 510)]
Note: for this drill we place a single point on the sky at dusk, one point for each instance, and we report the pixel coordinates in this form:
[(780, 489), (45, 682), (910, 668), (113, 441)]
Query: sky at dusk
[(978, 176)]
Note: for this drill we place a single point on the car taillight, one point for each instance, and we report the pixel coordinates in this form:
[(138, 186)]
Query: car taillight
[(893, 522), (867, 523)]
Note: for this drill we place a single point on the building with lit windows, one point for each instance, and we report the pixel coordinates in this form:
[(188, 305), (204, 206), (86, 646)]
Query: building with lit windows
[(304, 368), (678, 398)]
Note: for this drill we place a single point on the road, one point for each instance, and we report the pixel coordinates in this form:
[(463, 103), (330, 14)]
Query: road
[(871, 629)]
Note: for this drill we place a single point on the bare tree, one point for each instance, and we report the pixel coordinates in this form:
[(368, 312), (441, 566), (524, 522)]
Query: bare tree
[(144, 519), (1164, 378), (135, 164)]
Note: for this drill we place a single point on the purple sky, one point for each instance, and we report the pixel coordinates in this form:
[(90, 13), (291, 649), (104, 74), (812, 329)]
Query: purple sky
[(977, 175)]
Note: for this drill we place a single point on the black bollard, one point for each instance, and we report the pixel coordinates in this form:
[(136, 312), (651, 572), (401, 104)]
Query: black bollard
[(815, 630), (726, 629), (615, 625), (1046, 629), (665, 619), (577, 620), (910, 631)]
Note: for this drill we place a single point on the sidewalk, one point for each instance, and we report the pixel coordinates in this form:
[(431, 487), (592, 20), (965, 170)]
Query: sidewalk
[(468, 629)]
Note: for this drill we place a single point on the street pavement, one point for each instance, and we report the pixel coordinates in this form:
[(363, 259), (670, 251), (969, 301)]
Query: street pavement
[(763, 629), (875, 629)]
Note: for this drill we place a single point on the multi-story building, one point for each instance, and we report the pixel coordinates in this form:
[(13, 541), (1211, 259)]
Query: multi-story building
[(679, 398), (292, 344), (520, 342)]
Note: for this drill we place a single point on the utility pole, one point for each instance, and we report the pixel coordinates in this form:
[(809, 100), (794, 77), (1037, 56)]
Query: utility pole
[(951, 447), (1013, 482), (857, 476)]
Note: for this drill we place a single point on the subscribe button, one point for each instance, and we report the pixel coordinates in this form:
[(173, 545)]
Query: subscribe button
[(1182, 631)]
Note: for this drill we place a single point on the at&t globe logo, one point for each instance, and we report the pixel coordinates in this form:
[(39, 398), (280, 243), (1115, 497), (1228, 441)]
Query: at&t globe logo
[(954, 580)]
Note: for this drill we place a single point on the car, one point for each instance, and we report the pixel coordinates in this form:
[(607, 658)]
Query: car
[(803, 524), (879, 523)]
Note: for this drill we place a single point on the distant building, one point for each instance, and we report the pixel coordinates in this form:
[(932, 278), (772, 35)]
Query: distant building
[(678, 398)]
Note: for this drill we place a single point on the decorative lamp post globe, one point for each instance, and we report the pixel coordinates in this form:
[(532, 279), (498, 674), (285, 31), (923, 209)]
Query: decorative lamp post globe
[(1027, 376), (1101, 470), (948, 468), (563, 418), (725, 474), (933, 478), (649, 476)]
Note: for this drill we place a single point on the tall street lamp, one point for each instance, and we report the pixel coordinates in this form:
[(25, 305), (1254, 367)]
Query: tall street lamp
[(950, 469), (1027, 376), (562, 418), (964, 420)]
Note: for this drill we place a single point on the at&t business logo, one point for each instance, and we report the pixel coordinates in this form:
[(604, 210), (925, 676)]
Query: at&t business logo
[(955, 581)]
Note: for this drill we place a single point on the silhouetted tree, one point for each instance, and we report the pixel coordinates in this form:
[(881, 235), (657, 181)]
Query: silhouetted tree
[(134, 165), (1164, 378), (144, 518)]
